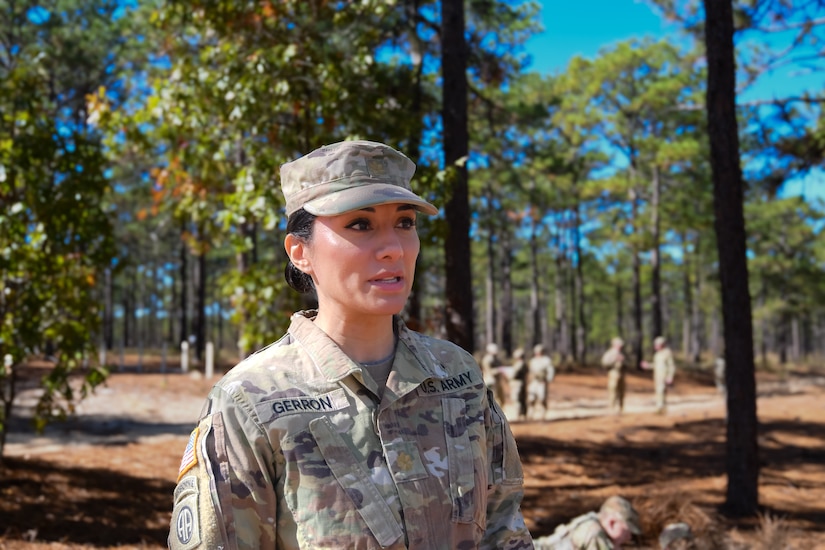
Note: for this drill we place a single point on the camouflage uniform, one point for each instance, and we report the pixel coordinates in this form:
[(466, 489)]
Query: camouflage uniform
[(664, 368), (295, 450), (614, 362), (583, 533), (542, 373)]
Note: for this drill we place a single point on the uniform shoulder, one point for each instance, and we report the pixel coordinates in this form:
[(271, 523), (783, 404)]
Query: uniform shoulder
[(269, 363), (443, 352)]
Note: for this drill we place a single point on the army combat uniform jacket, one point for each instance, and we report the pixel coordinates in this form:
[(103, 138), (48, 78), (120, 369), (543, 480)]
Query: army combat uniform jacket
[(582, 533), (294, 450)]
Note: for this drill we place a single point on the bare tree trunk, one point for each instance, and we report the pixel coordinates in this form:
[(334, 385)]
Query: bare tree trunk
[(655, 263), (742, 450), (108, 312), (581, 329), (458, 285), (638, 336), (491, 319), (619, 305), (506, 293), (687, 290), (561, 308), (200, 319), (536, 311), (183, 314), (698, 340)]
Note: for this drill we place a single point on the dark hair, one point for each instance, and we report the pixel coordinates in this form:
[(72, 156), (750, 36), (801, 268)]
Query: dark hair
[(299, 224)]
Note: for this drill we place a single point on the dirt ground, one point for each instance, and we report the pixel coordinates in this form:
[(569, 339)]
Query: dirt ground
[(104, 479)]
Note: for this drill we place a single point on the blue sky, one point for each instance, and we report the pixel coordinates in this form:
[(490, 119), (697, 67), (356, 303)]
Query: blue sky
[(584, 27)]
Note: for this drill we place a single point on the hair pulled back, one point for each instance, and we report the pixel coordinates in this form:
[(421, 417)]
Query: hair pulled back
[(299, 224)]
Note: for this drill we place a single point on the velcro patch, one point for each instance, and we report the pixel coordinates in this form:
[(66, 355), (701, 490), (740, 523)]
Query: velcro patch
[(451, 384), (190, 455), (186, 531), (302, 404)]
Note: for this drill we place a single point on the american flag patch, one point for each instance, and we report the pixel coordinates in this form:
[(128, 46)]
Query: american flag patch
[(190, 457)]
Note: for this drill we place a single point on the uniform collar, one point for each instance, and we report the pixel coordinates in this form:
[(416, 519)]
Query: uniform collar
[(335, 365)]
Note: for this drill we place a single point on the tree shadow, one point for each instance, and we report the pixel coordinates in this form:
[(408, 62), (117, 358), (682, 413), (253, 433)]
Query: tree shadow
[(47, 502)]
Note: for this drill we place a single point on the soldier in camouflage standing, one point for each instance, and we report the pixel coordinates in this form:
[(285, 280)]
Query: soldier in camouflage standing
[(613, 361), (351, 431), (664, 369), (614, 525)]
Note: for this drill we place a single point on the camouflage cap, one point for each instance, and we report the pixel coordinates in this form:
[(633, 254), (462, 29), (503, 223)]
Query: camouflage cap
[(622, 507), (347, 176), (674, 532)]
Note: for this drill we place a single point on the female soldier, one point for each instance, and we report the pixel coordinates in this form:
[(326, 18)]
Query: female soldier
[(351, 431)]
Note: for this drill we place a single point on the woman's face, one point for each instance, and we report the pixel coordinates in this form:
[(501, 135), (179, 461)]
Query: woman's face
[(362, 262)]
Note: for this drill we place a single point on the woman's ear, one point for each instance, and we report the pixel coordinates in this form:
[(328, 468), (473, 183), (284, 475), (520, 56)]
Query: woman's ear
[(296, 249)]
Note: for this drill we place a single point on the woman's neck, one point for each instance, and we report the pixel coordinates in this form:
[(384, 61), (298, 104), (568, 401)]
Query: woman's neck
[(369, 339)]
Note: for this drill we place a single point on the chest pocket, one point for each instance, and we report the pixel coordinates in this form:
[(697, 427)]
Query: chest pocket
[(354, 480), (460, 459)]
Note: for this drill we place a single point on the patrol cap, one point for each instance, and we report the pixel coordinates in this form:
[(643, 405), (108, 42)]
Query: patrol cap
[(348, 176), (617, 342), (622, 507), (659, 341), (674, 532)]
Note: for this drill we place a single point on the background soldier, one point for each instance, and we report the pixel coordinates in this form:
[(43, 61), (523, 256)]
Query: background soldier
[(541, 375), (522, 374), (613, 361), (614, 525), (664, 368)]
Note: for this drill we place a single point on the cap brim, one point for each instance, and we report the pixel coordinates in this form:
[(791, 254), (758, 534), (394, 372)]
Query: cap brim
[(364, 196)]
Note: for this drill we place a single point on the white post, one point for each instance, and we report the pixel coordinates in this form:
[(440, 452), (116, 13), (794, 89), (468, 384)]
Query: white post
[(184, 356), (210, 360), (6, 387), (163, 359)]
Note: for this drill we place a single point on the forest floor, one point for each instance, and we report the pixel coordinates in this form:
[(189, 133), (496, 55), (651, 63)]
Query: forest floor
[(104, 478)]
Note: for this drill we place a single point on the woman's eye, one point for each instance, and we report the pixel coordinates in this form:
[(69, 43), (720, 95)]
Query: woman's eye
[(359, 225), (406, 223)]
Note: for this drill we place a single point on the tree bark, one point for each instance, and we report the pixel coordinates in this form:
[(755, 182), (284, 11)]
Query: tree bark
[(458, 284), (655, 261), (506, 318), (491, 321), (638, 337), (742, 461)]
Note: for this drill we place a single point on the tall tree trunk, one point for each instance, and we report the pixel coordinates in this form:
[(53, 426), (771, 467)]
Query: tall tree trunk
[(561, 308), (537, 336), (183, 314), (200, 319), (638, 336), (697, 315), (619, 304), (655, 263), (415, 305), (458, 284), (742, 451), (687, 290), (491, 318), (507, 292), (108, 312), (581, 328)]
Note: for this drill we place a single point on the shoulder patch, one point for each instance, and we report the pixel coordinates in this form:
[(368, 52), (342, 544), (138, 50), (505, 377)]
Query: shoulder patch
[(450, 384), (190, 456), (185, 533)]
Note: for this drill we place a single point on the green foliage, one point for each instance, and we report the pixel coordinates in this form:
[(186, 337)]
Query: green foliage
[(55, 237)]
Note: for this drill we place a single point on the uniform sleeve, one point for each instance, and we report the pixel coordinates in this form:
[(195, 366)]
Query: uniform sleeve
[(225, 496), (671, 366), (505, 527)]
